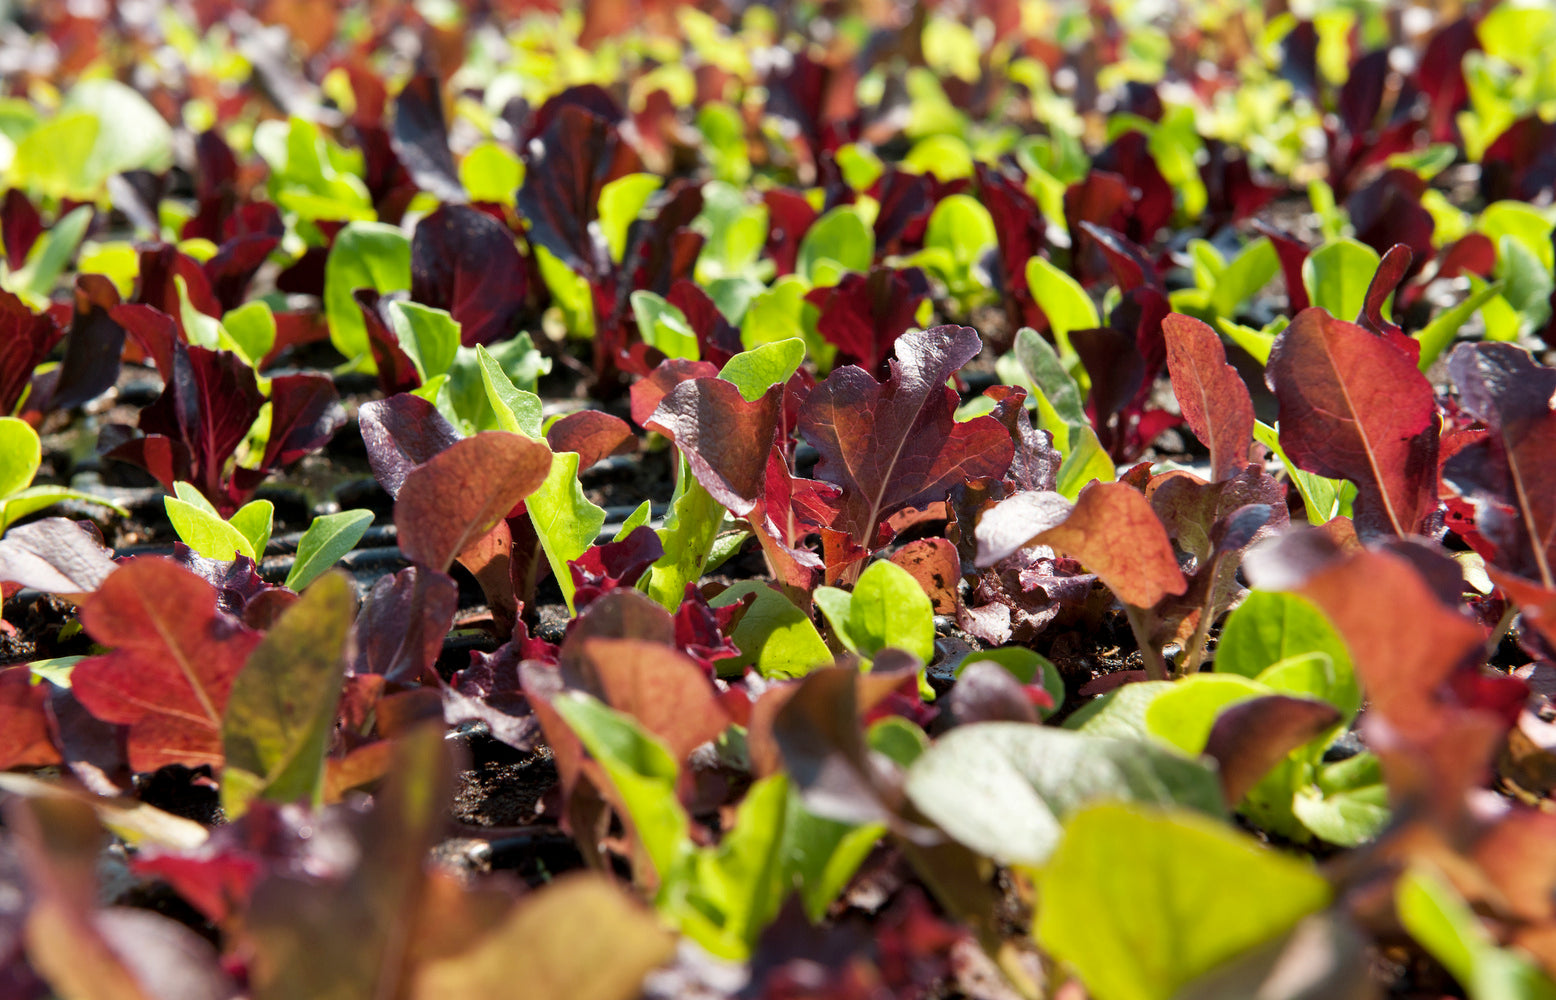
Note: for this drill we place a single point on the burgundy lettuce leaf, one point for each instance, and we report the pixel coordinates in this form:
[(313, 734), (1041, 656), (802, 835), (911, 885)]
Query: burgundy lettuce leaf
[(1099, 199), (490, 691), (1150, 196), (1232, 194), (588, 97), (1508, 475), (1126, 357), (215, 177), (1292, 253), (1352, 406), (1358, 140), (702, 631), (1440, 77), (396, 371), (790, 510), (236, 581), (234, 265), (92, 352), (25, 341), (420, 139), (159, 265), (400, 433), (892, 444), (1388, 211), (1520, 163), (789, 216), (20, 227), (726, 439), (1391, 272), (566, 167), (403, 622), (819, 99), (466, 262), (718, 340), (863, 315), (649, 391), (1020, 229), (305, 413), (207, 407), (905, 204), (615, 564)]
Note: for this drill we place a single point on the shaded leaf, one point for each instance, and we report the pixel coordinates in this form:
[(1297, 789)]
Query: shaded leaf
[(1031, 778), (281, 713)]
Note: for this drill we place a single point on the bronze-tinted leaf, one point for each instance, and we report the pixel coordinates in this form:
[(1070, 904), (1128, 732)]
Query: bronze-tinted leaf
[(447, 503), (1115, 534), (1253, 736), (172, 662)]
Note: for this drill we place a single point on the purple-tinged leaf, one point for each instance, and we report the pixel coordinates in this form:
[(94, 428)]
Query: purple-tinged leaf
[(209, 406), (466, 262), (234, 265), (25, 340), (420, 140), (1389, 211), (91, 363), (789, 217), (1009, 525), (892, 444), (987, 692), (20, 227), (573, 159), (400, 433), (904, 213), (170, 669), (1251, 737), (396, 371), (235, 580), (604, 568), (1352, 406), (863, 315), (1361, 95), (1519, 164), (1440, 76), (648, 392), (725, 439), (1211, 395), (1391, 271), (1150, 201), (450, 501), (1292, 253), (403, 621), (1509, 476)]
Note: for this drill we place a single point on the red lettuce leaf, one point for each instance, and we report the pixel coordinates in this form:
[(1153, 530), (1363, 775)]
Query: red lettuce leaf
[(403, 622), (863, 315), (892, 444), (25, 740), (466, 262), (20, 227), (1510, 474), (173, 657), (1211, 395), (725, 439), (575, 155), (1354, 407), (25, 340)]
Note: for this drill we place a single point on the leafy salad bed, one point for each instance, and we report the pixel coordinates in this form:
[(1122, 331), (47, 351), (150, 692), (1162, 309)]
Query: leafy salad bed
[(1004, 499)]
